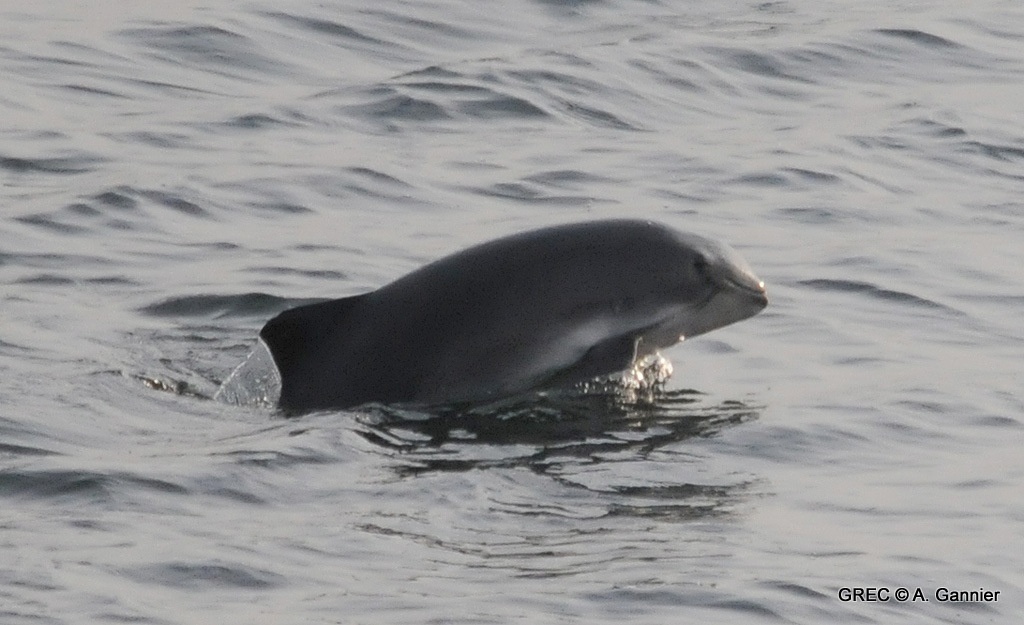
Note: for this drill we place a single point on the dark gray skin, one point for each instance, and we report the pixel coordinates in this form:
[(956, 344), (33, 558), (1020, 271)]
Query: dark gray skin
[(551, 307)]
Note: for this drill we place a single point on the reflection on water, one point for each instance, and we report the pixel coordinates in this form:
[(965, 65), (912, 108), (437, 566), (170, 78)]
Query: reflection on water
[(592, 477), (580, 426)]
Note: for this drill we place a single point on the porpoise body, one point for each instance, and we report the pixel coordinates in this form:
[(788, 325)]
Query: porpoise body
[(549, 307)]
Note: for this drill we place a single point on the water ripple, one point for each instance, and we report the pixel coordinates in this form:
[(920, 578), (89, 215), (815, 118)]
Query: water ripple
[(549, 432), (212, 48), (78, 484), (333, 29), (874, 291), (918, 37), (51, 165), (117, 209), (204, 575), (220, 306)]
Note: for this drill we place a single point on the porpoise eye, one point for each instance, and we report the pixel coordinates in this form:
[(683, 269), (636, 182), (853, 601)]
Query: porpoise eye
[(700, 266)]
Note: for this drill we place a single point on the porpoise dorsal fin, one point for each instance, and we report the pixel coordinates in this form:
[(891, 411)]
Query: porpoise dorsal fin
[(298, 338)]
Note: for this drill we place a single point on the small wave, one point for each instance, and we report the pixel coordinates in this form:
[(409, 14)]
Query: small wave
[(437, 101), (155, 139), (319, 274), (488, 92), (51, 165), (387, 104), (566, 178), (1005, 153), (764, 65), (937, 129), (502, 106), (921, 52), (819, 215), (48, 484), (211, 48), (871, 290), (792, 177), (75, 88), (114, 209), (546, 187), (256, 121), (51, 223), (9, 449), (47, 279), (219, 306), (371, 183), (594, 116), (918, 37), (334, 30), (531, 194), (119, 197), (175, 202), (285, 208), (204, 575)]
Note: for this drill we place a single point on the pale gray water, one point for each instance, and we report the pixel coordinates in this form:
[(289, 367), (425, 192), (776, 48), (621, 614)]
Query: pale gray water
[(174, 174)]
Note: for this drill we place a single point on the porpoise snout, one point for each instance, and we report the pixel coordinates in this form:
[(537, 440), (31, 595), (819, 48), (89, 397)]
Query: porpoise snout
[(749, 284)]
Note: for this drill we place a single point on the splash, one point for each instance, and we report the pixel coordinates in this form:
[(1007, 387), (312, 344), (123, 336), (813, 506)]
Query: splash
[(647, 374), (255, 382), (642, 381)]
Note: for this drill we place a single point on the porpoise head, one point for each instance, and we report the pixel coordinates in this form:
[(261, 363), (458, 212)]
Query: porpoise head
[(672, 285), (714, 288)]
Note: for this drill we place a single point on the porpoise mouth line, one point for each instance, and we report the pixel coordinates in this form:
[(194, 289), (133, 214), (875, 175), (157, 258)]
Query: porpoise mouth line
[(754, 289)]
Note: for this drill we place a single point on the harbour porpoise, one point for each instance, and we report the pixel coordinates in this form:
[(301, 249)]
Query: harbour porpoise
[(545, 308)]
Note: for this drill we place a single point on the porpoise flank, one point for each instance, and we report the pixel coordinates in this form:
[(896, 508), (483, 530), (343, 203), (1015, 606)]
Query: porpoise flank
[(550, 307)]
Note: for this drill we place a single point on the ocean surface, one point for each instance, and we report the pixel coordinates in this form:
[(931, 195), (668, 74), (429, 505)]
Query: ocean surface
[(174, 174)]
